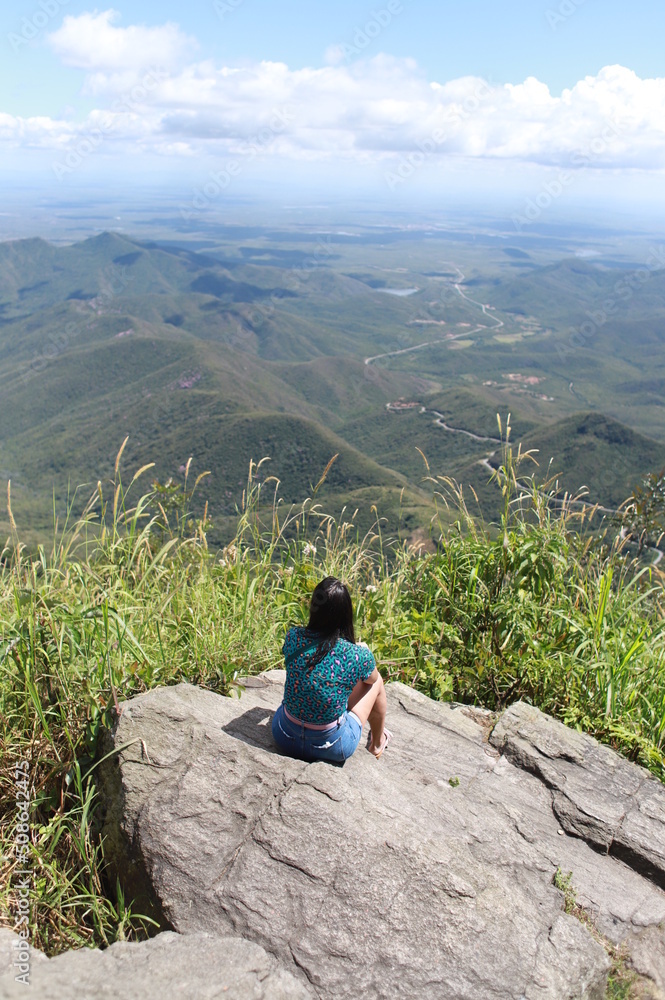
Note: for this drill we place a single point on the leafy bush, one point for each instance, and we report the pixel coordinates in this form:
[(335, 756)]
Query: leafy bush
[(129, 597)]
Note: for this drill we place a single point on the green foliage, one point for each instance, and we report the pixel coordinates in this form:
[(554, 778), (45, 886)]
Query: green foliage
[(564, 883), (622, 982), (131, 596), (249, 351), (643, 517)]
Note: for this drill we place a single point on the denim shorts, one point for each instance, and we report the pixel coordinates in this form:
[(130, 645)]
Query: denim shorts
[(335, 745)]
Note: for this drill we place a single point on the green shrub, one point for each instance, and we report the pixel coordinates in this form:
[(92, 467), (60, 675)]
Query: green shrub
[(130, 597)]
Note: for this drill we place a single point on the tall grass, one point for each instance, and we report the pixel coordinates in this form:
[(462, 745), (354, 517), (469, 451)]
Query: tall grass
[(129, 597)]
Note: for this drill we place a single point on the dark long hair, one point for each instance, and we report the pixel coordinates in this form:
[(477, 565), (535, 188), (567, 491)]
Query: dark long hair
[(330, 617)]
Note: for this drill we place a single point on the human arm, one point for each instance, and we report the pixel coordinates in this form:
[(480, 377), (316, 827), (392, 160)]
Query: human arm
[(368, 673), (372, 679)]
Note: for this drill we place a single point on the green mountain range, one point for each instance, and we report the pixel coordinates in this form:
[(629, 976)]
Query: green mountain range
[(246, 351)]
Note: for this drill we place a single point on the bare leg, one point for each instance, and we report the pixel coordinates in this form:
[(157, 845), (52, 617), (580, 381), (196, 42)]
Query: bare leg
[(369, 703)]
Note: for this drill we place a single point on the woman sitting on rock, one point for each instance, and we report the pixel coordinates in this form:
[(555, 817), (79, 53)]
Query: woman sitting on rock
[(332, 685)]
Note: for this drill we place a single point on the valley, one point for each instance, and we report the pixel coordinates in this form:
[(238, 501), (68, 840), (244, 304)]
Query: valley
[(230, 344)]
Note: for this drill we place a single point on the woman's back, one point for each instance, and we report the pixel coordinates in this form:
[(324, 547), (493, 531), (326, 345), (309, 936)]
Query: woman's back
[(332, 684), (319, 694)]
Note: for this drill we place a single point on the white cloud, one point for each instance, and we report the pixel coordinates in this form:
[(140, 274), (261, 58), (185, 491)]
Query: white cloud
[(91, 42), (381, 109), (37, 133)]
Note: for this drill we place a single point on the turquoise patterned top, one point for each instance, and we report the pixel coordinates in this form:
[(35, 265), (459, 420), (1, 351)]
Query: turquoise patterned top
[(321, 694)]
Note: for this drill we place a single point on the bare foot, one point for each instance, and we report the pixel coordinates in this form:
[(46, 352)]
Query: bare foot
[(385, 740)]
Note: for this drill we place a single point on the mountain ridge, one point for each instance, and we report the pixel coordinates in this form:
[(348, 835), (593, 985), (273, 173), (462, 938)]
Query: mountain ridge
[(115, 335)]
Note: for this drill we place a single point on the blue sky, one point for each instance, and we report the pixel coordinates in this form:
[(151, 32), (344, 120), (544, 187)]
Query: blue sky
[(502, 41), (420, 87)]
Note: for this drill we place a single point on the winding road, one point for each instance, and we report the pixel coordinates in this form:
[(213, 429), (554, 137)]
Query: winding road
[(440, 422), (495, 319), (451, 337), (427, 343)]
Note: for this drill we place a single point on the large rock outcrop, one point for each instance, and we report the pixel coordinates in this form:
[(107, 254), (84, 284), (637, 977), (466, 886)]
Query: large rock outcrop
[(168, 967), (614, 806), (427, 874)]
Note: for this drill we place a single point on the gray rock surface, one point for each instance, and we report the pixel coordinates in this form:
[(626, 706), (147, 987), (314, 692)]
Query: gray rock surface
[(647, 956), (12, 946), (382, 878), (614, 805), (168, 967)]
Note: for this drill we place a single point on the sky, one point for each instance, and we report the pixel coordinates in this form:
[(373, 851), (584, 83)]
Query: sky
[(521, 101)]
